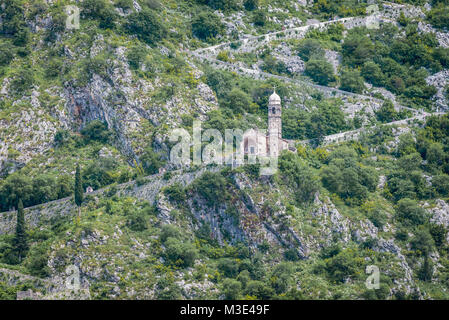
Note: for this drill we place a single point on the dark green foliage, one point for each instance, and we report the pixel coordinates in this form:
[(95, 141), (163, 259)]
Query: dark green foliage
[(251, 4), (22, 81), (347, 178), (409, 213), (441, 184), (438, 233), (372, 72), (299, 177), (207, 26), (20, 239), (99, 173), (79, 192), (231, 289), (146, 25), (345, 264), (13, 23), (151, 161), (426, 271), (212, 187), (136, 56), (238, 101), (137, 222), (357, 48), (387, 113), (7, 53), (175, 193), (96, 131), (320, 70), (274, 66), (422, 242), (259, 18), (439, 16), (310, 49), (101, 10), (180, 253), (37, 261), (352, 81), (170, 231), (229, 267)]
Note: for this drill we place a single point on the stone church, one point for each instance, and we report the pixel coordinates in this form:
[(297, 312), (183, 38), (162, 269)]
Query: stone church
[(268, 144)]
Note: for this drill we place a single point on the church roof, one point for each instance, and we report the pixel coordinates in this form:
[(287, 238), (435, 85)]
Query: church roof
[(274, 98)]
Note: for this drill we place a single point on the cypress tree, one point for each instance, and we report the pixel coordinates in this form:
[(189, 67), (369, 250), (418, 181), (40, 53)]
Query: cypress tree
[(20, 240), (78, 189)]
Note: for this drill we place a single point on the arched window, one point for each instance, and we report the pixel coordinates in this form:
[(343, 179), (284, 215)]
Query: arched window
[(273, 110)]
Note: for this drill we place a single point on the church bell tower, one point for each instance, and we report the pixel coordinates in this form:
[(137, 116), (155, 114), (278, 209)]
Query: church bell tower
[(274, 123)]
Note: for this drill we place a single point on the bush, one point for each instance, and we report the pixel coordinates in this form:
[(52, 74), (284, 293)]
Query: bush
[(169, 231), (259, 18), (102, 10), (439, 17), (137, 222), (207, 26), (409, 213), (212, 187), (175, 193), (229, 267), (320, 71), (179, 253), (387, 113), (352, 81), (441, 184), (231, 289), (251, 4), (96, 130), (311, 49), (146, 25), (136, 56), (6, 53)]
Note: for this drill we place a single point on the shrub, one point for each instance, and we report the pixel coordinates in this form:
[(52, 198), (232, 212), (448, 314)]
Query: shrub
[(352, 81), (409, 213), (259, 18), (320, 71), (231, 289), (310, 49), (96, 130), (251, 4), (207, 26), (146, 25), (101, 10), (441, 184), (228, 267), (179, 253), (169, 231), (137, 222)]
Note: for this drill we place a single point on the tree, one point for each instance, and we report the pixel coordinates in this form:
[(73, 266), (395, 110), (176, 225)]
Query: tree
[(310, 48), (231, 289), (426, 271), (238, 101), (352, 81), (372, 72), (409, 213), (207, 25), (387, 113), (320, 71), (79, 194), (146, 25), (20, 240), (251, 4)]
